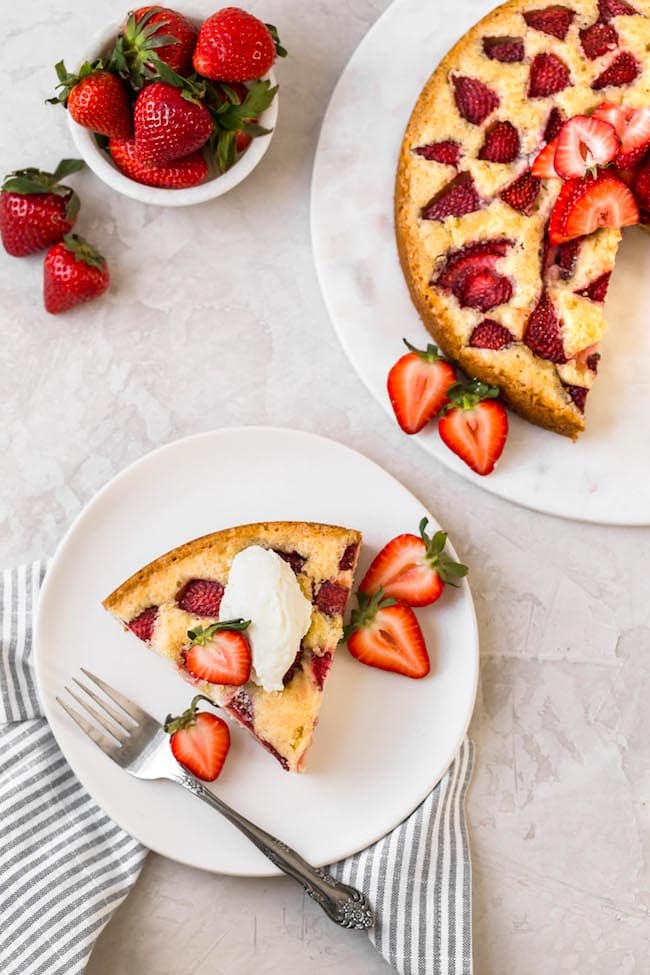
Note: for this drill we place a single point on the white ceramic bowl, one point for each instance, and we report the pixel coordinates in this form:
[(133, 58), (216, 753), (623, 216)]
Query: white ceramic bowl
[(215, 185)]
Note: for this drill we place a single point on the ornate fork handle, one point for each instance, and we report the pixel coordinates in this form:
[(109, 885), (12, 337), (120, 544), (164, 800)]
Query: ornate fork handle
[(343, 904)]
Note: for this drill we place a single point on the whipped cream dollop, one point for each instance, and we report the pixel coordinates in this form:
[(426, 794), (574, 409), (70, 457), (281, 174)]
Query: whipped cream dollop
[(263, 588)]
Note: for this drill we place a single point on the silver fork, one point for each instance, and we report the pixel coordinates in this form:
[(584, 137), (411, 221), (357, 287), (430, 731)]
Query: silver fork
[(138, 743)]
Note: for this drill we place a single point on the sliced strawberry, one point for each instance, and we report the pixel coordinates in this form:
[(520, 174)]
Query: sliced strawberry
[(579, 396), (508, 50), (548, 75), (475, 425), (485, 290), (447, 152), (544, 164), (587, 204), (454, 200), (616, 115), (622, 71), (320, 668), (554, 20), (615, 8), (385, 634), (474, 100), (566, 257), (220, 653), (635, 139), (598, 39), (522, 193), (543, 334), (202, 597), (597, 290), (501, 143), (331, 598), (641, 185), (553, 124), (349, 557), (583, 143), (417, 386), (413, 569), (199, 740), (143, 624), (489, 334)]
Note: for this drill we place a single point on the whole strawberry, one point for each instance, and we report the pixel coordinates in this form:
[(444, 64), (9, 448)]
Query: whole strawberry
[(235, 46), (36, 209), (169, 123), (176, 175), (73, 273), (96, 99), (151, 34)]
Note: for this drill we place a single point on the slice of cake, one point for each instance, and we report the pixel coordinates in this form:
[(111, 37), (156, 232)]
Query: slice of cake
[(472, 221), (291, 580)]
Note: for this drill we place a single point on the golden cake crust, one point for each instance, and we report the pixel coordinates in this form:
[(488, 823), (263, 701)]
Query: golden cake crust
[(532, 386)]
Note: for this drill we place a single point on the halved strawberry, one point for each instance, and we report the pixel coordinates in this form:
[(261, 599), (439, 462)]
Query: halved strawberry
[(598, 39), (548, 75), (508, 50), (447, 152), (385, 634), (522, 193), (417, 386), (413, 570), (199, 740), (489, 334), (587, 204), (554, 20), (584, 142), (621, 71), (543, 166), (475, 425), (454, 200), (501, 143), (220, 653), (633, 129), (474, 100), (543, 334), (485, 290)]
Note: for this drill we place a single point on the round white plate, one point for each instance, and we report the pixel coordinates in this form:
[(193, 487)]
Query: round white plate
[(603, 477), (383, 741)]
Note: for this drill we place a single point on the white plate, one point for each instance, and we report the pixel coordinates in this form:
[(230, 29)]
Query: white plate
[(602, 478), (383, 741)]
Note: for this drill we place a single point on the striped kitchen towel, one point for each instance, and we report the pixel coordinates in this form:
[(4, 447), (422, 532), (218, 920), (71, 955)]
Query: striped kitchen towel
[(65, 866)]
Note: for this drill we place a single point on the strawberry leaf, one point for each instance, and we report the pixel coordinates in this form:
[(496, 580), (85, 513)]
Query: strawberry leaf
[(201, 635), (279, 50)]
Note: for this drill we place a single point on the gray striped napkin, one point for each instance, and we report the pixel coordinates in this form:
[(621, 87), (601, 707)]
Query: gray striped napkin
[(65, 866)]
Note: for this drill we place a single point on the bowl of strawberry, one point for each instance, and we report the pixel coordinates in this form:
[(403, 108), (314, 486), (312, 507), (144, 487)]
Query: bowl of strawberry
[(171, 108)]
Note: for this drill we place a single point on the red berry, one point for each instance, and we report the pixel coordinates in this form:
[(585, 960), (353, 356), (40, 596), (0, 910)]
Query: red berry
[(454, 200), (553, 124), (584, 205), (233, 45), (469, 273), (175, 175), (622, 71), (199, 740), (615, 8), (474, 100), (548, 75), (543, 334), (73, 273), (167, 125), (489, 334), (508, 50), (597, 290), (579, 396), (554, 20), (476, 425), (417, 387), (35, 209), (386, 634), (443, 152), (143, 624), (582, 144), (501, 143), (141, 38), (332, 598), (99, 102), (201, 597), (522, 193), (598, 39)]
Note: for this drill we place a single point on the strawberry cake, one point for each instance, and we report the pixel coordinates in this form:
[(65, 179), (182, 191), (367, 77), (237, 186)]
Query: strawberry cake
[(507, 249), (285, 587)]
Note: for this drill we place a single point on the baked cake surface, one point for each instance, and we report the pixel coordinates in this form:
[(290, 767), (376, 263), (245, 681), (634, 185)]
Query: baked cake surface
[(472, 231), (183, 589)]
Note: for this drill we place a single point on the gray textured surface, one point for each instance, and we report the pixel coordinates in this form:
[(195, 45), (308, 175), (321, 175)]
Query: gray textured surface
[(214, 319)]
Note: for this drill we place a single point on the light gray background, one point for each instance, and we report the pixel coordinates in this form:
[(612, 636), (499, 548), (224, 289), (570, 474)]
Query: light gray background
[(215, 318)]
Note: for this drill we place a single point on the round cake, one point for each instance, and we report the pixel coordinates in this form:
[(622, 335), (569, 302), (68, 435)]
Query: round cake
[(501, 300)]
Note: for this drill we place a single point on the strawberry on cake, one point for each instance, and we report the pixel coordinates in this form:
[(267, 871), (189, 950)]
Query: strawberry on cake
[(251, 616), (526, 152)]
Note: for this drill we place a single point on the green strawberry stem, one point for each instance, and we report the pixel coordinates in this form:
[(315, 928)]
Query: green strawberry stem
[(430, 354), (187, 718), (279, 50), (466, 396), (230, 117), (368, 608), (83, 251), (134, 54), (201, 635), (437, 558), (68, 81), (32, 180)]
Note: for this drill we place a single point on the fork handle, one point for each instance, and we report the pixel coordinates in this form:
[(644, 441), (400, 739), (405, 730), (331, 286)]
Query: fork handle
[(343, 904)]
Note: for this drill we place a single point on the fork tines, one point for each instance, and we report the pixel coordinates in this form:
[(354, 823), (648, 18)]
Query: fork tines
[(120, 722)]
